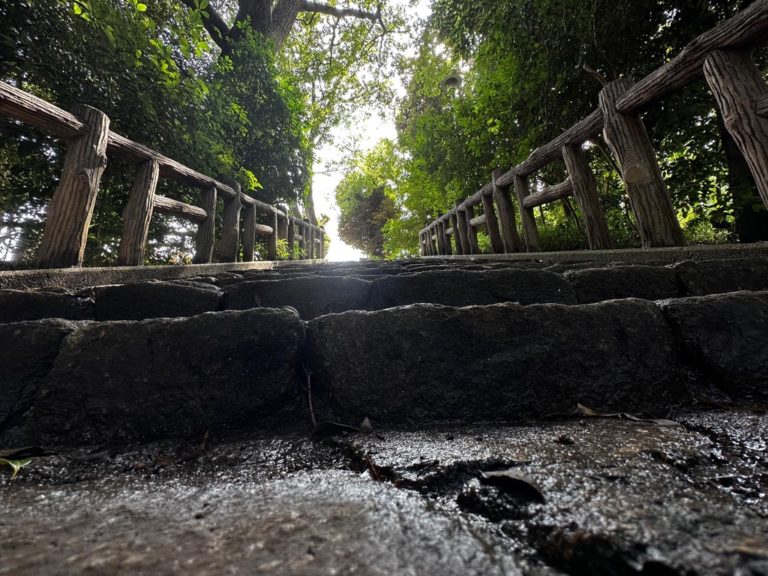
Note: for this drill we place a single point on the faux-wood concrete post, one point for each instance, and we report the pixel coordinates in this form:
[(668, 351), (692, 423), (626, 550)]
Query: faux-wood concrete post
[(303, 241), (230, 228), (738, 86), (440, 236), (283, 226), (249, 232), (456, 236), (71, 209), (585, 192), (627, 138), (446, 237), (137, 215), (309, 241), (206, 231), (272, 238), (321, 244), (291, 234), (530, 230), (474, 247), (507, 222), (492, 225), (461, 229)]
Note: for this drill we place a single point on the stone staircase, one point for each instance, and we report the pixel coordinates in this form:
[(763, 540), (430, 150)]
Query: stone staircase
[(409, 343), (538, 416)]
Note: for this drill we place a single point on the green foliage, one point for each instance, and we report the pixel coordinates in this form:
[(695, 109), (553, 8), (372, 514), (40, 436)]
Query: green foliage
[(15, 465), (523, 83), (283, 253), (366, 199), (153, 69)]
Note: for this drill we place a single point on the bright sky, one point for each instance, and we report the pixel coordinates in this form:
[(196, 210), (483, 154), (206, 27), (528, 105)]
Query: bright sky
[(368, 130), (324, 184)]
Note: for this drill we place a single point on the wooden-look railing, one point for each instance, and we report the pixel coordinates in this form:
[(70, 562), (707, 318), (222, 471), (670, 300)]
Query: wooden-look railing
[(722, 55), (89, 139)]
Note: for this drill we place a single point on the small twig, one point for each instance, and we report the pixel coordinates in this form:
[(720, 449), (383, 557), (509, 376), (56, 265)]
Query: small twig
[(595, 74), (308, 374)]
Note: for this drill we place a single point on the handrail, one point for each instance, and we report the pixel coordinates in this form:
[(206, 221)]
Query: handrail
[(720, 54), (30, 109)]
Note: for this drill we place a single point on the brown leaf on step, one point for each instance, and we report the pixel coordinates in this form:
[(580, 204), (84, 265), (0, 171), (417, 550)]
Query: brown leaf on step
[(513, 483), (586, 411), (366, 427), (754, 547), (581, 409)]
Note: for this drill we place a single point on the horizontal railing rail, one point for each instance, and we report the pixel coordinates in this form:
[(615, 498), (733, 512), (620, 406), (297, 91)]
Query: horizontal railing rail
[(722, 55), (90, 142)]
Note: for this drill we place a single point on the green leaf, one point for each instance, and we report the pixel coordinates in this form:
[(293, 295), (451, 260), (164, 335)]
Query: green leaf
[(15, 465), (141, 7)]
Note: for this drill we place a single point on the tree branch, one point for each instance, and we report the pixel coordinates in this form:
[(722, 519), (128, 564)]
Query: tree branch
[(310, 6), (214, 24), (283, 16)]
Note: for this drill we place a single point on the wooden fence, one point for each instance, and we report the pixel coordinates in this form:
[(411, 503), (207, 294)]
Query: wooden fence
[(89, 139), (722, 55)]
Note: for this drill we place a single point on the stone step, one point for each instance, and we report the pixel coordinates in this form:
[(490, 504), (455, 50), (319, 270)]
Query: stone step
[(75, 382), (329, 288), (586, 496)]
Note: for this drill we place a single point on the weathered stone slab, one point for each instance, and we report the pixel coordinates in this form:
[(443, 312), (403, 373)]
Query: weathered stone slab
[(27, 352), (316, 523), (21, 305), (154, 300), (720, 276), (465, 288), (727, 336), (620, 498), (423, 363), (116, 381), (647, 282), (311, 296)]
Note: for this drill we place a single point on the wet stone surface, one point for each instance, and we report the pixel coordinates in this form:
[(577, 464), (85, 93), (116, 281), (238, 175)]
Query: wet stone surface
[(583, 495)]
